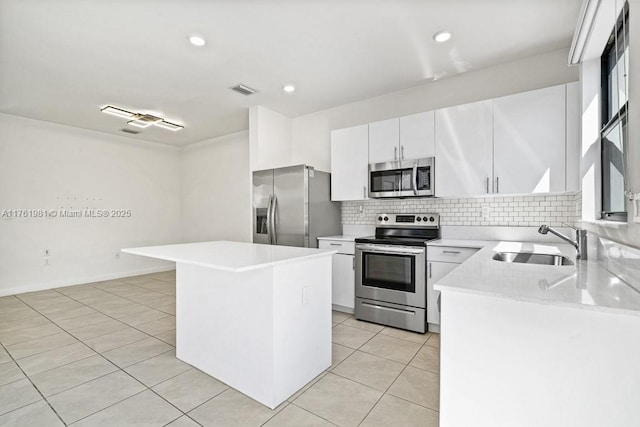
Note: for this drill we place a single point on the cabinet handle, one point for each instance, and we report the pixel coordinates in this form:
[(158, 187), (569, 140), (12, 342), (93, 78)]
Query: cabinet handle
[(497, 184), (395, 153), (364, 191), (354, 262), (487, 185), (451, 252), (430, 271), (335, 244), (402, 152)]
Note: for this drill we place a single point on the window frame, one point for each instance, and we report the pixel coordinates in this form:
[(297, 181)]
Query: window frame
[(618, 118)]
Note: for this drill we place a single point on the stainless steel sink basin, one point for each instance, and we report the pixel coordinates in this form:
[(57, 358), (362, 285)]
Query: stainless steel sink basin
[(532, 258)]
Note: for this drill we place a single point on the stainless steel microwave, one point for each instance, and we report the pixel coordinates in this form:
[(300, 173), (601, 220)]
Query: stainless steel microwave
[(402, 178)]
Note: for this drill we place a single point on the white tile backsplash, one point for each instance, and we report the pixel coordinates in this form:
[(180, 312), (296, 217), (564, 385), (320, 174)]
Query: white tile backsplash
[(512, 211)]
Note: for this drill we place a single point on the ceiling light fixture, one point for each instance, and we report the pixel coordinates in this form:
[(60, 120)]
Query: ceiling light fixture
[(197, 40), (141, 120), (442, 36), (289, 88)]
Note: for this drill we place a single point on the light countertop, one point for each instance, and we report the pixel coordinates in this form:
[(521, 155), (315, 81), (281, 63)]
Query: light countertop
[(587, 284), (229, 256), (342, 237), (479, 244)]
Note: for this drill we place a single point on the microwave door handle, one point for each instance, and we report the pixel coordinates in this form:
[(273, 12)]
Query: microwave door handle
[(414, 179)]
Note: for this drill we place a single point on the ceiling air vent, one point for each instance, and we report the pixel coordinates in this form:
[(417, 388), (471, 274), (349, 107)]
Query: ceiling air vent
[(134, 132), (243, 89)]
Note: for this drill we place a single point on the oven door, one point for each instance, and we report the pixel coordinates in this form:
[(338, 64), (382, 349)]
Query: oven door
[(390, 273)]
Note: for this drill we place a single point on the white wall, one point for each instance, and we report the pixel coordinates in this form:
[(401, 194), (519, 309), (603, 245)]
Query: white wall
[(311, 133), (216, 189), (49, 166)]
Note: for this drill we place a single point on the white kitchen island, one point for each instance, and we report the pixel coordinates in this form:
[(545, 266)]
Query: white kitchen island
[(257, 317)]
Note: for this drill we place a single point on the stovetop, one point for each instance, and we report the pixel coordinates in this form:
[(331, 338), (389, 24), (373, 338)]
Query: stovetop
[(404, 229)]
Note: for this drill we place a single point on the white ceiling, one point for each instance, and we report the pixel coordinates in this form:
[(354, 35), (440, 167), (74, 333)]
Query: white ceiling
[(62, 60)]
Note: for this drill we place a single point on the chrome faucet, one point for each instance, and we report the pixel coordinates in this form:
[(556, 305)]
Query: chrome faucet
[(580, 243)]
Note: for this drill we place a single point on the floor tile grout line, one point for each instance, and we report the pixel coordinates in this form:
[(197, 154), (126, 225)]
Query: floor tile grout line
[(34, 386), (313, 413)]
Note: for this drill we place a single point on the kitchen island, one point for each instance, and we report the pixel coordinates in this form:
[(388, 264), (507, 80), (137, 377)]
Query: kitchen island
[(257, 317)]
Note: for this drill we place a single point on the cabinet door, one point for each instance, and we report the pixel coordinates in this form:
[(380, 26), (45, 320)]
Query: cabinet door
[(384, 141), (573, 127), (343, 280), (464, 150), (417, 136), (529, 142), (349, 167), (435, 272)]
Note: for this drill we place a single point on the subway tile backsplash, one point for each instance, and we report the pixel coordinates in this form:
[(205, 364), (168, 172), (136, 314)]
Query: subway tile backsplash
[(514, 211)]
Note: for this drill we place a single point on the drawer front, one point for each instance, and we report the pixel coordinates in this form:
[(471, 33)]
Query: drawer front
[(449, 254), (385, 313), (348, 248)]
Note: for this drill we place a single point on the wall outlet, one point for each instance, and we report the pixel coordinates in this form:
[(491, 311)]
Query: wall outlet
[(486, 212)]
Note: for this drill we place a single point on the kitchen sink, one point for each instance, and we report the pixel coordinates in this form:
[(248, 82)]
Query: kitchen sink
[(532, 258)]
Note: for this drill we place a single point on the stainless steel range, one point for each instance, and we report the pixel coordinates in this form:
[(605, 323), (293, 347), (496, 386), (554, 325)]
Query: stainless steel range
[(390, 271)]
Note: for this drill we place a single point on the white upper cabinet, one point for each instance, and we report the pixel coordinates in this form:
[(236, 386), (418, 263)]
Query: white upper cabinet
[(417, 136), (463, 148), (384, 141), (574, 126), (529, 142), (349, 163)]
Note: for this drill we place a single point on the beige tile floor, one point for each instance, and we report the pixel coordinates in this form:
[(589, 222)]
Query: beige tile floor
[(103, 354)]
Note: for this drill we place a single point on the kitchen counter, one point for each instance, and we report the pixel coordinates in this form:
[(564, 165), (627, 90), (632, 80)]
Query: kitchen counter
[(585, 285), (229, 256), (478, 244), (342, 237), (256, 317)]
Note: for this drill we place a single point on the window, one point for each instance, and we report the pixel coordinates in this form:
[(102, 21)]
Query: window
[(614, 135)]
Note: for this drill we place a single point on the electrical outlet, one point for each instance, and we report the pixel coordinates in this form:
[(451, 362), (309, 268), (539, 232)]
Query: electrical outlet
[(486, 212)]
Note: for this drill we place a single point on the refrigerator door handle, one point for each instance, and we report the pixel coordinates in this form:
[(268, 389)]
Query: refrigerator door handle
[(269, 220), (274, 230)]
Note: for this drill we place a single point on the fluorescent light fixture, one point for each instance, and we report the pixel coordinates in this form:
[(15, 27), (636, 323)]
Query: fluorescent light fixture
[(168, 125), (289, 88), (117, 112), (197, 40), (141, 120), (442, 36)]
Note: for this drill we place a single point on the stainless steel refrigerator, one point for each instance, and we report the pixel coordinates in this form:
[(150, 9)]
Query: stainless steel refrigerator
[(292, 206)]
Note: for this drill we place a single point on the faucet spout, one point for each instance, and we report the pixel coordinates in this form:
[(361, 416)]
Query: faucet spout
[(580, 243)]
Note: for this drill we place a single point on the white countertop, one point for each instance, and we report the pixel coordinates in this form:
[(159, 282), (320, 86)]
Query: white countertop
[(479, 244), (342, 237), (229, 256), (587, 284)]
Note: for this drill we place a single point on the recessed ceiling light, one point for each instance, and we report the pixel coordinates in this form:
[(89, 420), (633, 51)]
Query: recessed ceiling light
[(197, 40), (442, 36), (289, 88)]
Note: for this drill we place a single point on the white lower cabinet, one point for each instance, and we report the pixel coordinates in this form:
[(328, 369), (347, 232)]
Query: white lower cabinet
[(441, 260), (343, 283)]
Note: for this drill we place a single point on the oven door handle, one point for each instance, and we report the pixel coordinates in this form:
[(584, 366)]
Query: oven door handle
[(390, 249)]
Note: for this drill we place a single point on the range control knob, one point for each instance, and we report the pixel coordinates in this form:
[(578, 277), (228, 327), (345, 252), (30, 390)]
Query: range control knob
[(379, 218), (418, 219), (432, 219), (424, 219), (386, 218)]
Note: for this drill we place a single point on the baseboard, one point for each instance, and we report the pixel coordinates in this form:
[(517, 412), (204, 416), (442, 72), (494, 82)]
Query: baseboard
[(81, 281), (342, 309)]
